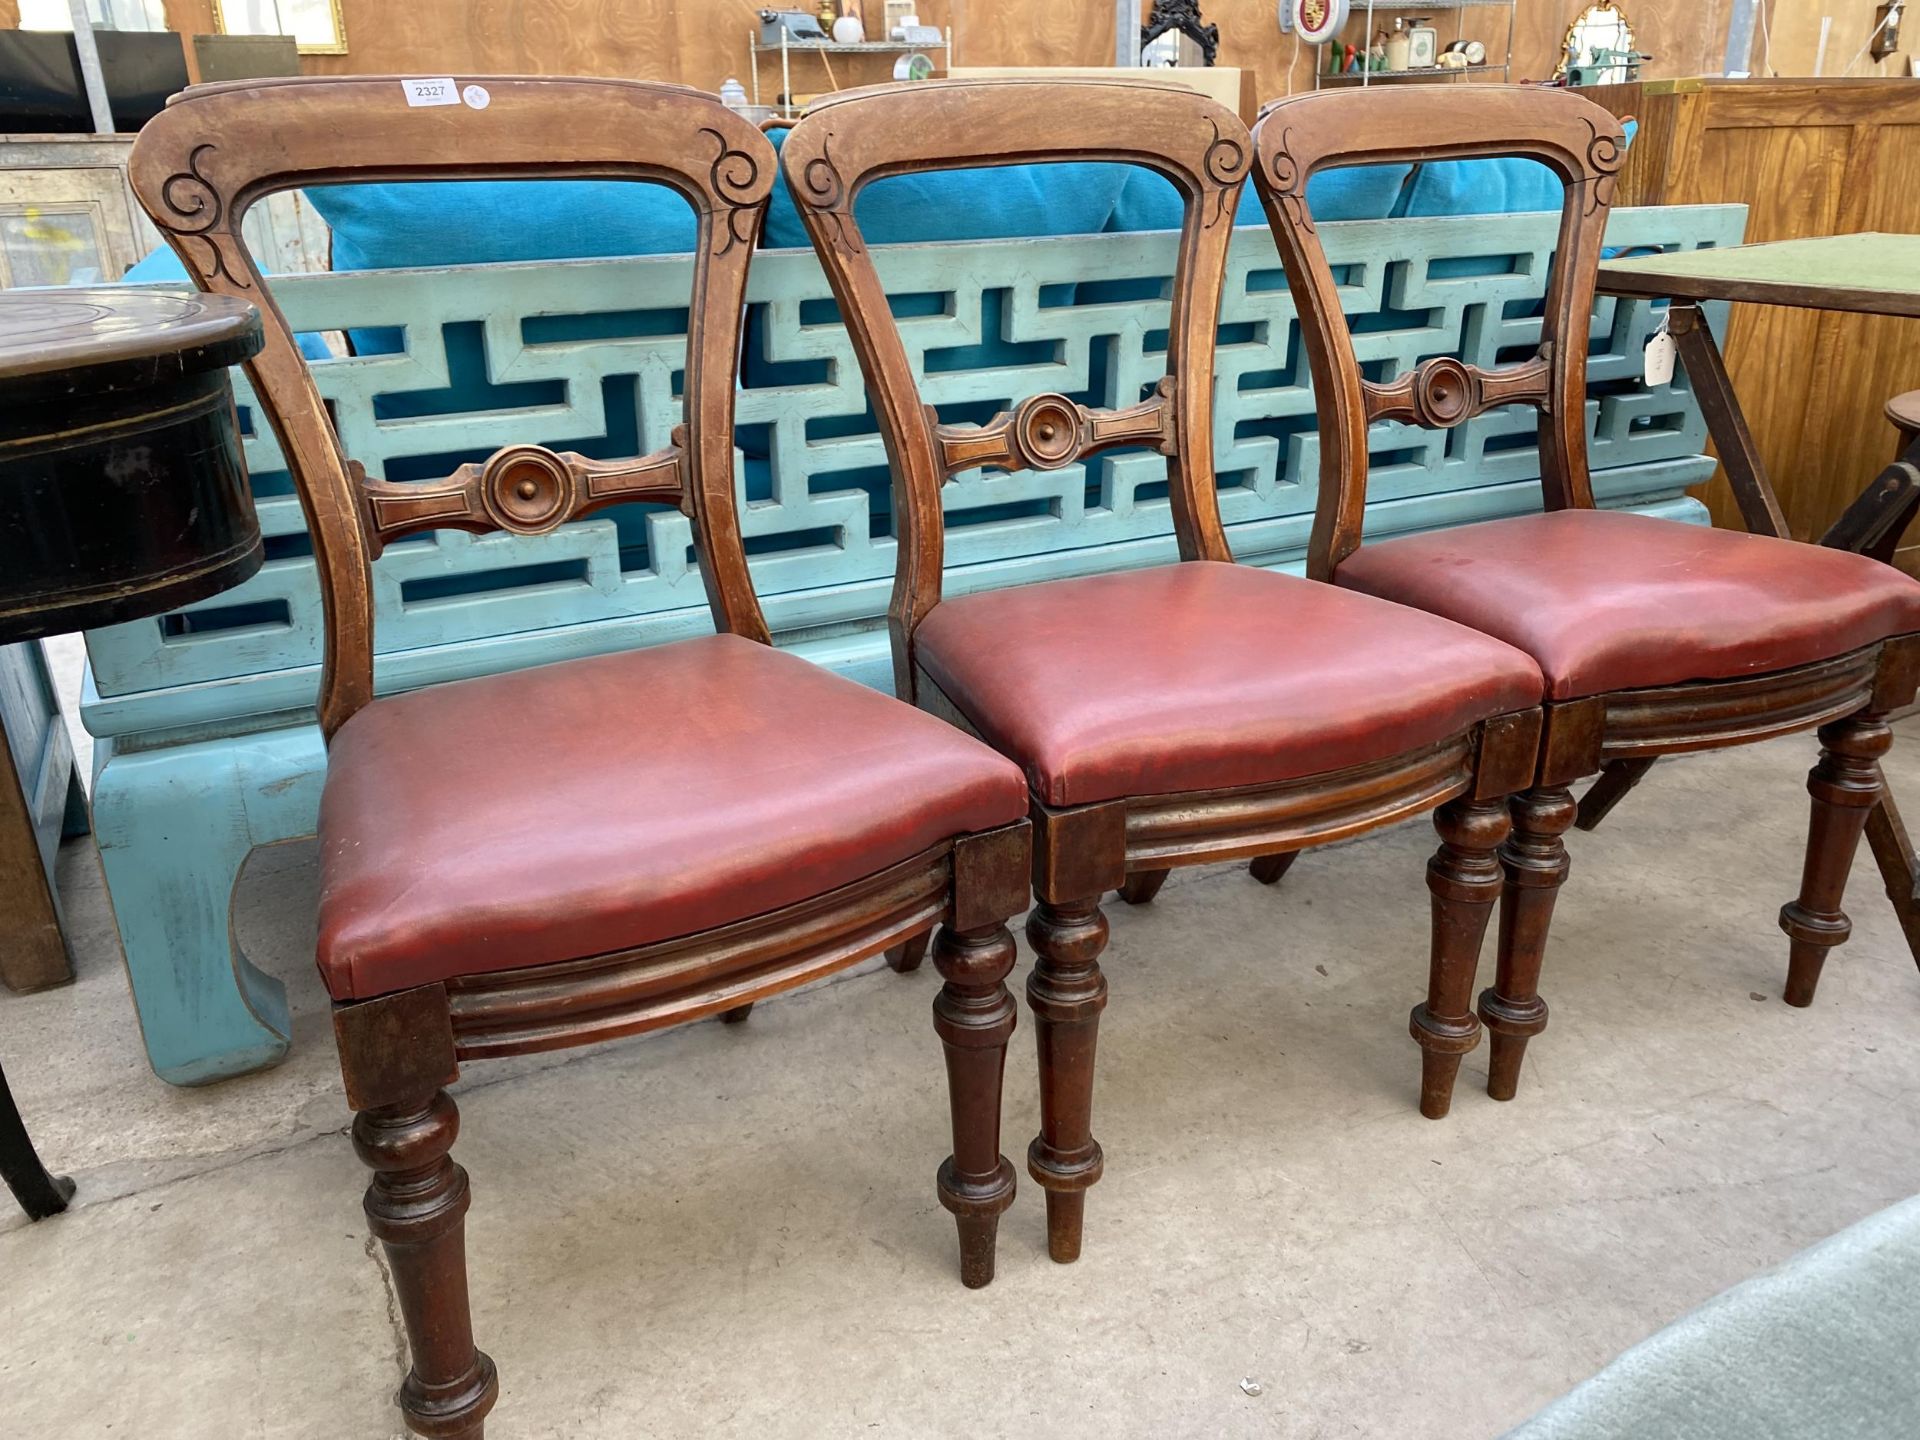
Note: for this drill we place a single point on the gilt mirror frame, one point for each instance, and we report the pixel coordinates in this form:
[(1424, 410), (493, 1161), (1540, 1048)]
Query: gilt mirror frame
[(336, 43)]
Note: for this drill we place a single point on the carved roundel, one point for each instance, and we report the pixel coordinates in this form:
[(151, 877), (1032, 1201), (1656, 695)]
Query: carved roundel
[(1046, 432), (527, 489), (1444, 392)]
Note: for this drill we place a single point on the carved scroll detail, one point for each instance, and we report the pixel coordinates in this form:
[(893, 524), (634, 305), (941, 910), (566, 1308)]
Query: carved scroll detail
[(522, 489), (1445, 392), (825, 190), (1225, 163), (735, 175), (1290, 185), (1049, 432), (200, 214), (1605, 154)]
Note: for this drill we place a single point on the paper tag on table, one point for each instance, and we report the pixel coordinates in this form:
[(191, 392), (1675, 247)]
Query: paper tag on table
[(1660, 357), (431, 92)]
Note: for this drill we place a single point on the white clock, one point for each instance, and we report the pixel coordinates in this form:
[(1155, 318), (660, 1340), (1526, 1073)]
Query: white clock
[(1316, 21)]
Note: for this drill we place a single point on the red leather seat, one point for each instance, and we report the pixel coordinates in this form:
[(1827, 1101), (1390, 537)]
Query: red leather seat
[(591, 806), (1608, 601), (1205, 676)]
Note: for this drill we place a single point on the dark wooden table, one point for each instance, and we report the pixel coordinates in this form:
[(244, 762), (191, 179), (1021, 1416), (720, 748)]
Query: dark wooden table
[(122, 494), (1865, 274)]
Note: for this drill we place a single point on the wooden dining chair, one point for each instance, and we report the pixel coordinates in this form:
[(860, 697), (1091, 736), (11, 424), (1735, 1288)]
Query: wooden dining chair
[(585, 850), (1176, 715), (1655, 636)]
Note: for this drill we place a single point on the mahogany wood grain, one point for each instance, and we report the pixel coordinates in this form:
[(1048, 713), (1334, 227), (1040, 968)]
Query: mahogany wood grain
[(198, 168), (1845, 786), (218, 149), (854, 138), (1581, 143), (1464, 880), (1067, 992), (1534, 864), (1846, 697), (974, 1016), (1082, 852)]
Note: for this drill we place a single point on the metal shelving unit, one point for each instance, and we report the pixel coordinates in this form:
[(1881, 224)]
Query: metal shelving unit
[(786, 50), (1428, 73)]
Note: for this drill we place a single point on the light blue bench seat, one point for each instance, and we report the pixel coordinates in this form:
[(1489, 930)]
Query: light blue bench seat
[(1825, 1346)]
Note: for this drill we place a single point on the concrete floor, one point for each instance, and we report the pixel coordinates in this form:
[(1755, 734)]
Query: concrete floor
[(733, 1231)]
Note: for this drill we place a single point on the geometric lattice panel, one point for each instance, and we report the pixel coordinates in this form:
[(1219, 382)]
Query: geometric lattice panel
[(587, 355)]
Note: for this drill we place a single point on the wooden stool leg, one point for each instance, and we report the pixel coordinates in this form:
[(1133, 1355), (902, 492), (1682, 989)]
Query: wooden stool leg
[(417, 1209), (974, 1017), (1534, 859), (1268, 869), (1464, 878), (1845, 786), (1067, 993), (906, 956), (39, 1193), (33, 949), (1142, 886)]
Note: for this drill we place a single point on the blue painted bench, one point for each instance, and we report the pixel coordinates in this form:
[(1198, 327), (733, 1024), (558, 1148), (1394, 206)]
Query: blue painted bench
[(207, 746)]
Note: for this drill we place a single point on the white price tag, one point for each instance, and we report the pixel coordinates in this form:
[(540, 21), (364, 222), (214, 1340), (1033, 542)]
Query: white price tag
[(431, 92), (1661, 353)]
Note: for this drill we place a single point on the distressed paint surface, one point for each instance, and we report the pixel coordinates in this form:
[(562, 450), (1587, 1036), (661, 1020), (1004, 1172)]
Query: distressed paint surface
[(213, 754)]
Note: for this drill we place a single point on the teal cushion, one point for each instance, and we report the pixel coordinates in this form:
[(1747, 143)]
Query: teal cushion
[(1354, 192), (1504, 186), (486, 222), (1481, 187), (1000, 203), (481, 222)]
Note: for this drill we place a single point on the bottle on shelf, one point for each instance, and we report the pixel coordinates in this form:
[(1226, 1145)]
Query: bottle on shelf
[(1399, 46)]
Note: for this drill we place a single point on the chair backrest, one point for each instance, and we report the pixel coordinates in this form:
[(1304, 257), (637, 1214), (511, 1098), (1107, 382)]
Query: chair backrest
[(860, 136), (218, 149), (1580, 142)]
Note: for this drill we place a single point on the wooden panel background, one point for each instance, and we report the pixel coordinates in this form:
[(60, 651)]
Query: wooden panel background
[(701, 42), (1796, 38), (1809, 157)]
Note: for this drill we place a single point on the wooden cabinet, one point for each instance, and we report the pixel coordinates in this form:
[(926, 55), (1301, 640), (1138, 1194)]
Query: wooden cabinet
[(1808, 157)]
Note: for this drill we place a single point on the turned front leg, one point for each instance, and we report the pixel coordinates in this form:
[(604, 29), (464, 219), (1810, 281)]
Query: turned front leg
[(974, 1017), (1067, 993), (1534, 859), (1464, 878), (1845, 786), (417, 1209)]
